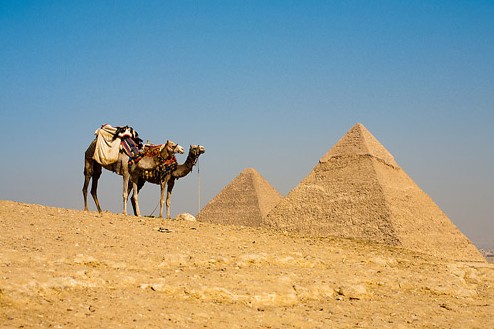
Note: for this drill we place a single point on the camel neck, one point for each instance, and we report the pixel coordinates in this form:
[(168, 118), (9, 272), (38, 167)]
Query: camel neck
[(185, 168)]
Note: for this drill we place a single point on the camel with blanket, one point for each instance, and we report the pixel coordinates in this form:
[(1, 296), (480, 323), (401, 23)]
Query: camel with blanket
[(127, 160), (166, 176)]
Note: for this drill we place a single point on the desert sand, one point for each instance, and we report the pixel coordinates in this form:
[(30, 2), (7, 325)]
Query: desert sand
[(62, 268)]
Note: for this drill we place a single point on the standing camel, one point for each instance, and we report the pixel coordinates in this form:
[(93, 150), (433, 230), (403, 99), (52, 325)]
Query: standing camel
[(168, 180), (92, 170)]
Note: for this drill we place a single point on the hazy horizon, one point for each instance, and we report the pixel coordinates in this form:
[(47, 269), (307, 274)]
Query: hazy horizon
[(271, 85)]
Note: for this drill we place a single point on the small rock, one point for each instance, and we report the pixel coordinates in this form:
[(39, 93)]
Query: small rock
[(445, 306), (352, 291), (187, 217)]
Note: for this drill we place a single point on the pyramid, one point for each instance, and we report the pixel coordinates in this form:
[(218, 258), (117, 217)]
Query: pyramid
[(245, 201), (357, 190)]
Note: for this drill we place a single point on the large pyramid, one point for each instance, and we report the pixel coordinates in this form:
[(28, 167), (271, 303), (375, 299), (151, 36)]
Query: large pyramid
[(357, 190), (245, 201)]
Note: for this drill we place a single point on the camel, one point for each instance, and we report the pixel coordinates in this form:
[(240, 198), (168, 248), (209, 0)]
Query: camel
[(182, 170), (93, 169)]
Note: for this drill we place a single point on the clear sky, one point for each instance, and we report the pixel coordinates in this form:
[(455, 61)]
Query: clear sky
[(266, 84)]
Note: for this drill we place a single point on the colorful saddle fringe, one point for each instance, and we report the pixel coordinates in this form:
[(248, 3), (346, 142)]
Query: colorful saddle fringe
[(135, 154), (158, 174), (131, 148)]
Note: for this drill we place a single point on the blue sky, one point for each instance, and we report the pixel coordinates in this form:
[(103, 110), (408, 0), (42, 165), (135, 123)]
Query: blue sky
[(266, 84)]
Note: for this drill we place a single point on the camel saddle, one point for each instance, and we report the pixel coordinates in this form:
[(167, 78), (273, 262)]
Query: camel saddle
[(152, 150), (111, 140), (164, 167)]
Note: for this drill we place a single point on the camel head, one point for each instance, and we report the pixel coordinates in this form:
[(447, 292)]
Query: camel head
[(173, 147), (197, 150)]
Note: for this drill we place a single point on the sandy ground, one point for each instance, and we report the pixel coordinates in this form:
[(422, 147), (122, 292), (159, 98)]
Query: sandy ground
[(65, 268)]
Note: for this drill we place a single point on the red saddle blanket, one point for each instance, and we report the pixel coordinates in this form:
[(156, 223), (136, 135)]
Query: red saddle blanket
[(152, 150), (166, 165)]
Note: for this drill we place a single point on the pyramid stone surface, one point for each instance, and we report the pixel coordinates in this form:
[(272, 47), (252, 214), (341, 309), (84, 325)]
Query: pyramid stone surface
[(245, 201), (357, 190)]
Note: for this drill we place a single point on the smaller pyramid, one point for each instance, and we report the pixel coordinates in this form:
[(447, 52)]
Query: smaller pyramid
[(246, 200)]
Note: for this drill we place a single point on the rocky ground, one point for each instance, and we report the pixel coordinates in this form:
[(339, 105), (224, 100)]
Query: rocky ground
[(66, 268)]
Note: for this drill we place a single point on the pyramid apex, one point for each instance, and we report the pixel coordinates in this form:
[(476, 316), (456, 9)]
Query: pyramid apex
[(359, 141), (249, 171)]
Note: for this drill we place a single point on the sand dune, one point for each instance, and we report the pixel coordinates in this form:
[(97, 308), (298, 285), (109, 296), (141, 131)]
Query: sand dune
[(66, 268)]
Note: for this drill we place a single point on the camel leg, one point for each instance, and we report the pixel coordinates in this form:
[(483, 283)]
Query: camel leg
[(162, 198), (130, 180), (94, 189), (84, 190), (140, 184), (96, 173), (125, 192), (171, 183), (135, 198)]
